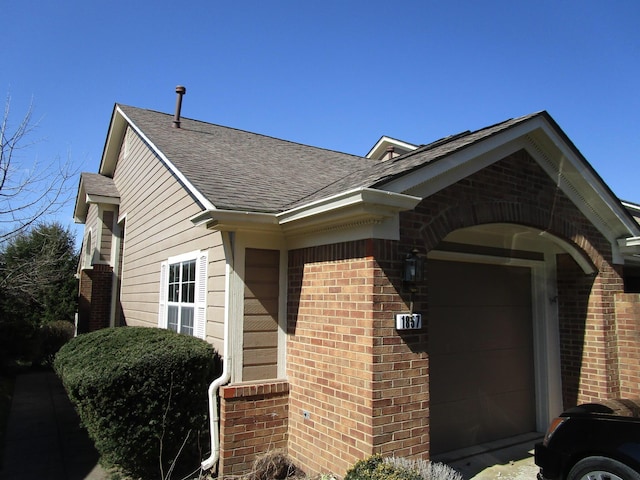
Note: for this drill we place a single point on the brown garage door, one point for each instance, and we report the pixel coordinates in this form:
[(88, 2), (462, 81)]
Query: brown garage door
[(481, 353)]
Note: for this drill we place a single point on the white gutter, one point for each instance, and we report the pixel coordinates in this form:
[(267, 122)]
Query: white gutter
[(224, 378)]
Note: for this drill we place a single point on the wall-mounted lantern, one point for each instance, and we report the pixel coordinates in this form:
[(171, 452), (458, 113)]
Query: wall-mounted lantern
[(412, 275), (413, 270)]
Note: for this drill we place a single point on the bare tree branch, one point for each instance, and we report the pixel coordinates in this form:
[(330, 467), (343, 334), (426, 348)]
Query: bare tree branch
[(28, 192)]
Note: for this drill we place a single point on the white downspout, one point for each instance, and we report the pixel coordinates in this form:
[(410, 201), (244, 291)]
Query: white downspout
[(226, 366)]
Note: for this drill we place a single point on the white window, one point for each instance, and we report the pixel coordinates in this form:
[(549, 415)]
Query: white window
[(183, 294)]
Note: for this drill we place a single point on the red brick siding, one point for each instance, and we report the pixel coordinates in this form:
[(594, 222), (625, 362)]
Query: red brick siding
[(574, 289), (253, 421), (329, 356), (95, 298), (401, 368), (517, 190), (365, 386), (628, 335)]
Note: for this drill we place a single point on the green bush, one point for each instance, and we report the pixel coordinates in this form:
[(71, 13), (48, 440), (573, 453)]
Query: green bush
[(377, 467), (141, 393), (50, 339)]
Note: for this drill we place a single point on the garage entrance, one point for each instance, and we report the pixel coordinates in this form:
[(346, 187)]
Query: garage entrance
[(482, 384)]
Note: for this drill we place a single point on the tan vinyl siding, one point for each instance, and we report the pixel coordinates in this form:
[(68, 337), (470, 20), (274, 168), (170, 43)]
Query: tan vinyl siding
[(157, 209), (260, 336), (92, 218), (107, 236), (91, 228)]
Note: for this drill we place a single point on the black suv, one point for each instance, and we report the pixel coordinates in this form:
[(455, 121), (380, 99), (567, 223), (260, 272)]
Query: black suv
[(595, 441)]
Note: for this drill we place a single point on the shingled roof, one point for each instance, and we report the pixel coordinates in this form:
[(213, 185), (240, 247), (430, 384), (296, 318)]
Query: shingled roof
[(239, 170)]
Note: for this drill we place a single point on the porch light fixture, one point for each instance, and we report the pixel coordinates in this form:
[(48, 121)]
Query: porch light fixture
[(413, 270)]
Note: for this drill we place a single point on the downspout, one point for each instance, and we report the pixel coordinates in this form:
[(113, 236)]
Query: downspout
[(214, 419)]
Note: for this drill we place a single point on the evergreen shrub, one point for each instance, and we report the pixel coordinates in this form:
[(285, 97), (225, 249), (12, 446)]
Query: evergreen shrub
[(16, 337), (141, 393), (51, 337)]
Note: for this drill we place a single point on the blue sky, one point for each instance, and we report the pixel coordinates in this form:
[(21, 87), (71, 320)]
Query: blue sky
[(334, 73)]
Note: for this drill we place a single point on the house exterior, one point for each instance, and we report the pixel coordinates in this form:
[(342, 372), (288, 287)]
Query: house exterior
[(290, 260)]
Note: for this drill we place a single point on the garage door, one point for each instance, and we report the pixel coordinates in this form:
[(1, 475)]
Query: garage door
[(481, 353)]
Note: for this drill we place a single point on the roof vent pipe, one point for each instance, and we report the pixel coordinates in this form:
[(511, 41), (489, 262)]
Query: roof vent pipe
[(180, 90), (390, 152)]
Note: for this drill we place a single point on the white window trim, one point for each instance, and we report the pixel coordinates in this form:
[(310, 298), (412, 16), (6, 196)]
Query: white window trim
[(200, 304)]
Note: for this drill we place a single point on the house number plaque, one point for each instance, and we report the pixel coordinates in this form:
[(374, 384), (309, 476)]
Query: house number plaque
[(408, 321)]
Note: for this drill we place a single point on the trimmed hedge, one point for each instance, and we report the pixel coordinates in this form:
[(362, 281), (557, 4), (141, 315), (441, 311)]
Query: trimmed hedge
[(141, 393)]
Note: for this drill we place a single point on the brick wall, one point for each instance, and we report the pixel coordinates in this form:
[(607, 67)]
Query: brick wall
[(94, 308), (253, 421), (329, 356), (401, 368), (517, 190), (628, 342), (574, 290), (357, 387)]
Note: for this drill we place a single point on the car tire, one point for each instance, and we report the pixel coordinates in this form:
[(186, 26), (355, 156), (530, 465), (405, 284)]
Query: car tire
[(601, 468)]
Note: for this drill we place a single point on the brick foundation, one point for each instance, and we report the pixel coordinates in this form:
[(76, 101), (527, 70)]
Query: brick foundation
[(253, 421)]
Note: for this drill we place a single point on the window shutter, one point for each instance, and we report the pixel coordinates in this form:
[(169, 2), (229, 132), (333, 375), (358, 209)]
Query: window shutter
[(164, 295), (200, 323)]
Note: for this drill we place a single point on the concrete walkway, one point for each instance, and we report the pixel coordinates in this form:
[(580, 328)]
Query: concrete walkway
[(507, 459), (44, 439)]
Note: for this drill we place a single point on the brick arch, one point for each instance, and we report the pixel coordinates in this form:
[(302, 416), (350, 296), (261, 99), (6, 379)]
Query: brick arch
[(463, 215)]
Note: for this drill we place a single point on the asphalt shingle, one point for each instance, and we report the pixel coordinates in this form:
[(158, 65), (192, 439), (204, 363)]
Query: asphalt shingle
[(96, 184), (239, 170)]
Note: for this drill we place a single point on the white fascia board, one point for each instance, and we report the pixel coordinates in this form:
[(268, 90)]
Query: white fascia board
[(381, 146), (115, 136), (437, 175), (102, 199), (231, 220), (206, 204), (634, 208), (573, 176), (348, 210), (80, 210), (389, 202), (630, 242), (582, 185), (630, 248), (633, 241)]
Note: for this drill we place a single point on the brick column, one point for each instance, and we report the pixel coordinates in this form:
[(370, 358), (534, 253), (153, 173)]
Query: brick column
[(627, 307), (95, 298)]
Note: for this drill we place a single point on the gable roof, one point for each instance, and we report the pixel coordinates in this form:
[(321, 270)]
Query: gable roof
[(231, 172), (239, 170), (382, 146), (94, 188)]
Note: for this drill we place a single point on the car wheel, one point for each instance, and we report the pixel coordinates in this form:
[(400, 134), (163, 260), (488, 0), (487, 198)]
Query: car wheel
[(601, 468)]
